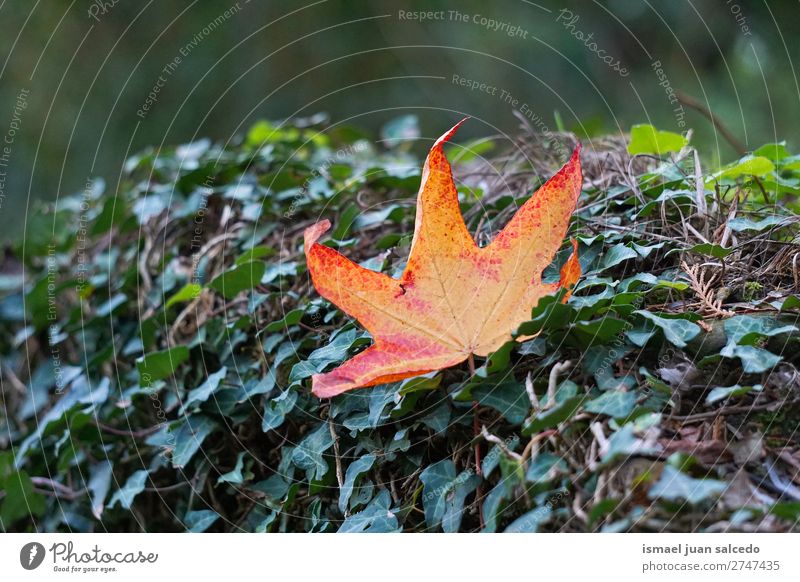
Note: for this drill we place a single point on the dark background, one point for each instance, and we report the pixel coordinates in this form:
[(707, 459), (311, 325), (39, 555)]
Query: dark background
[(362, 64)]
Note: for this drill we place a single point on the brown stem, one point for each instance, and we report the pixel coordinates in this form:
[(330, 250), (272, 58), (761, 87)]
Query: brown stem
[(724, 411), (476, 431), (339, 473), (693, 103), (136, 434)]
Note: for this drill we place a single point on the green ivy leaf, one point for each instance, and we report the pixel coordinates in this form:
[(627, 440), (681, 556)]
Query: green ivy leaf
[(553, 416), (199, 521), (741, 224), (188, 438), (755, 360), (288, 320), (773, 151), (530, 522), (19, 500), (722, 393), (743, 331), (128, 492), (159, 365), (615, 403), (673, 485), (308, 455), (354, 471), (276, 409), (646, 139), (99, 484), (626, 442), (377, 517), (443, 494), (234, 476), (616, 254), (757, 166), (544, 468), (509, 398), (206, 389), (188, 292), (238, 279), (677, 331)]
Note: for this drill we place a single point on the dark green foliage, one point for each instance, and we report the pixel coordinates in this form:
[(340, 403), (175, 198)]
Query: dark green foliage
[(158, 343)]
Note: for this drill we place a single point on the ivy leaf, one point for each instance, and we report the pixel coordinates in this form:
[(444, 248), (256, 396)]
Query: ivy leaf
[(308, 455), (420, 383), (773, 151), (616, 254), (189, 437), (19, 500), (356, 469), (674, 485), (332, 353), (443, 494), (206, 389), (377, 517), (530, 522), (291, 318), (133, 486), (234, 476), (239, 278), (276, 409), (743, 331), (757, 166), (646, 139), (188, 292), (626, 441), (615, 403), (544, 468), (80, 392), (722, 393), (509, 398), (159, 365), (708, 249), (677, 331), (199, 521), (99, 484), (755, 360), (741, 224), (492, 506), (553, 416)]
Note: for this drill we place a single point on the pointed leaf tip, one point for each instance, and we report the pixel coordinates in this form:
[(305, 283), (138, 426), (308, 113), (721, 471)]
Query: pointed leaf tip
[(575, 158), (449, 134), (313, 232)]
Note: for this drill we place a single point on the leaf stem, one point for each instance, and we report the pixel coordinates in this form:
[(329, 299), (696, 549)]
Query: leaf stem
[(339, 473), (476, 431)]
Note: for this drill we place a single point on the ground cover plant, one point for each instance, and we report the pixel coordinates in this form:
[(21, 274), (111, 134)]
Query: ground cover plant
[(160, 332)]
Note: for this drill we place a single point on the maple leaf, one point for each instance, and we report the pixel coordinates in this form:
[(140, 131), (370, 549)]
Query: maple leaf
[(454, 299)]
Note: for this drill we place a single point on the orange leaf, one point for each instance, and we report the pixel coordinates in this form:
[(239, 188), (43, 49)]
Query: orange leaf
[(571, 271), (453, 298)]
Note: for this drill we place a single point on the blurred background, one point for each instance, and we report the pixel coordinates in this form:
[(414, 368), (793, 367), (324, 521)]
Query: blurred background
[(84, 84)]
